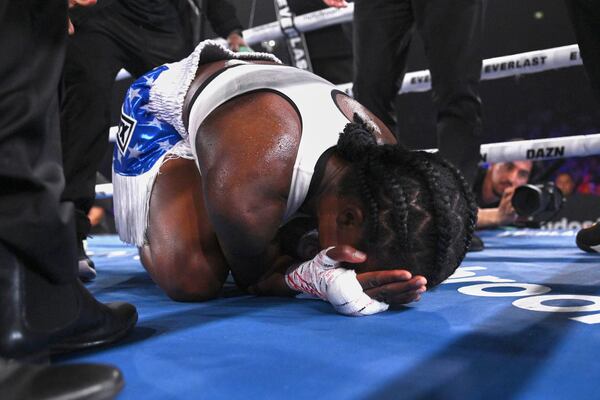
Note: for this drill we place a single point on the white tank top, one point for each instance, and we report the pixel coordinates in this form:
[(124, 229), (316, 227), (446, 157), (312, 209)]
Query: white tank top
[(322, 121)]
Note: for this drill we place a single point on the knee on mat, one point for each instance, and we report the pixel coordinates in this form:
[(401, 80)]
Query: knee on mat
[(187, 280)]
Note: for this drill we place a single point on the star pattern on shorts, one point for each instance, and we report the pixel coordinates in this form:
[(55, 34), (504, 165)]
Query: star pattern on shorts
[(145, 108), (149, 80), (165, 145), (155, 122), (136, 151), (134, 93)]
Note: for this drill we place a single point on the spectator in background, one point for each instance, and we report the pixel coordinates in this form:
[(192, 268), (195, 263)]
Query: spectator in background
[(137, 35), (564, 181), (494, 188)]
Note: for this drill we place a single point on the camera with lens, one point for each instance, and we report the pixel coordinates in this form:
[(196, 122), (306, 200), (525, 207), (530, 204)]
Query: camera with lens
[(538, 202)]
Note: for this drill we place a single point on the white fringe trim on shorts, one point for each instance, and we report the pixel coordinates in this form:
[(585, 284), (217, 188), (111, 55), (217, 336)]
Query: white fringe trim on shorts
[(131, 196)]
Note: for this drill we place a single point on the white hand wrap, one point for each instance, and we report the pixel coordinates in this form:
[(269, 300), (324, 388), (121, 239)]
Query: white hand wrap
[(322, 277)]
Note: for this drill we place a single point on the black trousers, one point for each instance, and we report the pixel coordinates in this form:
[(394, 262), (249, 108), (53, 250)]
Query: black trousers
[(452, 34), (104, 42), (33, 221), (35, 226), (585, 17)]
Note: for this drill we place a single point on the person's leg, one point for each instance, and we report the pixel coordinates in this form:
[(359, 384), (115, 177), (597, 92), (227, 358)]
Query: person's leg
[(382, 30), (336, 69), (452, 33), (585, 17), (92, 62), (156, 48), (182, 255), (43, 305)]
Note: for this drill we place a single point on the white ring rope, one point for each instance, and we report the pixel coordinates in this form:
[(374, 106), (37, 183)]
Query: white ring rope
[(303, 23), (535, 150), (542, 149), (104, 191), (530, 62)]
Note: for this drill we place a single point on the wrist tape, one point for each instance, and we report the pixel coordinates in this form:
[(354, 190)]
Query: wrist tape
[(322, 277)]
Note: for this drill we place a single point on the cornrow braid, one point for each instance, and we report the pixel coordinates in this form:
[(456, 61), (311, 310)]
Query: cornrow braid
[(471, 204), (368, 196), (421, 212)]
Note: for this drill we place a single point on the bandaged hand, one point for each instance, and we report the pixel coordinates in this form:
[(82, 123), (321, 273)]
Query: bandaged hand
[(323, 277)]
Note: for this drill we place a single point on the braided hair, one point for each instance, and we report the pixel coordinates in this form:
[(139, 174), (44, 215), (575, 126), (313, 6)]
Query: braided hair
[(420, 211)]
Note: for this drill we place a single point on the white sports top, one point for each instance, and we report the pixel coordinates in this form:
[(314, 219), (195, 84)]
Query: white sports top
[(322, 121)]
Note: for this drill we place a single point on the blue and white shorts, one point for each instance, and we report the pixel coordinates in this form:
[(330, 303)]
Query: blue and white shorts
[(152, 131)]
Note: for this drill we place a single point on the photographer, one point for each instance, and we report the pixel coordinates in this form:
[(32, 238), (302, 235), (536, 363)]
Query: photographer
[(494, 188)]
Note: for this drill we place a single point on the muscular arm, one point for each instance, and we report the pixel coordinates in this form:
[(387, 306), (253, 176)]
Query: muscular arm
[(246, 150)]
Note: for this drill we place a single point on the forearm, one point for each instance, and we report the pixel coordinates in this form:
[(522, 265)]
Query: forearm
[(494, 217), (488, 218), (273, 282), (263, 274)]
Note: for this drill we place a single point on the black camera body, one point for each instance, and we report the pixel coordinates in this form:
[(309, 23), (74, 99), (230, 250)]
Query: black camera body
[(540, 202)]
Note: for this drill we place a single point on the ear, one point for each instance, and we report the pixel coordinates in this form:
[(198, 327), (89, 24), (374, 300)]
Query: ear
[(350, 217)]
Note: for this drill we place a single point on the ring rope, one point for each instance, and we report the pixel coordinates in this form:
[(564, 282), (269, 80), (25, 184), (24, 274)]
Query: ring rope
[(303, 23), (534, 149), (540, 149), (530, 62)]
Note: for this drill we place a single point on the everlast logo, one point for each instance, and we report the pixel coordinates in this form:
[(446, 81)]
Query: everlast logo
[(286, 19), (548, 152), (420, 79), (295, 39), (508, 65), (298, 53)]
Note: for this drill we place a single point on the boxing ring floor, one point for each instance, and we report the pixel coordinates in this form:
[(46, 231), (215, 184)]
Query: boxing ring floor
[(450, 345)]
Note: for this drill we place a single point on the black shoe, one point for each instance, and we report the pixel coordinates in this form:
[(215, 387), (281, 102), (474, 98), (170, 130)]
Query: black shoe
[(54, 382), (588, 239), (38, 315), (476, 244), (97, 325), (87, 269)]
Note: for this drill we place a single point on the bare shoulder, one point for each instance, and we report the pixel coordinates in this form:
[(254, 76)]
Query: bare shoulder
[(246, 151), (251, 142), (349, 106)]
